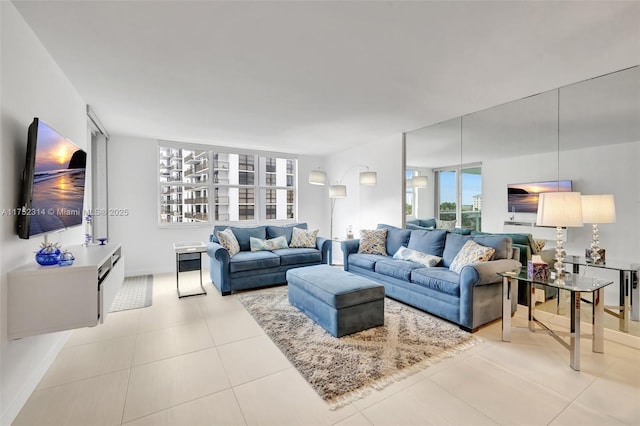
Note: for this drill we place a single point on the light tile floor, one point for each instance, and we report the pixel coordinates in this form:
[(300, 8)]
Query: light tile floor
[(205, 361)]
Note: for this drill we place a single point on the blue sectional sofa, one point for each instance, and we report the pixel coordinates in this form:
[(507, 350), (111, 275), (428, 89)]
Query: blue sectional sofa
[(254, 269), (470, 299)]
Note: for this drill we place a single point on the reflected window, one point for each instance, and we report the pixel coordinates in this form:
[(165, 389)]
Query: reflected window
[(459, 195)]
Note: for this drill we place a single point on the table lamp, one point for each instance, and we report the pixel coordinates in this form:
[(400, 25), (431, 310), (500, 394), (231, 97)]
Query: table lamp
[(598, 209), (559, 209)]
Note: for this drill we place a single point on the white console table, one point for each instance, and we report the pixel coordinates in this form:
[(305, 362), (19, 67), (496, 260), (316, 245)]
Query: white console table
[(44, 299)]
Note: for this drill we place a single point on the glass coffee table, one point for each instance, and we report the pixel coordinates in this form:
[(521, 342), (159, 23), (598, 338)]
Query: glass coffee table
[(576, 285)]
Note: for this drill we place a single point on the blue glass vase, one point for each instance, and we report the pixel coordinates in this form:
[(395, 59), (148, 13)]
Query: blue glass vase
[(46, 257)]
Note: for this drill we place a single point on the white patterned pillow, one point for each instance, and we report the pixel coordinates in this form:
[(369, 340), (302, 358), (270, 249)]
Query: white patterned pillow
[(470, 252), (425, 259), (302, 238), (373, 241), (258, 244), (229, 241), (448, 225)]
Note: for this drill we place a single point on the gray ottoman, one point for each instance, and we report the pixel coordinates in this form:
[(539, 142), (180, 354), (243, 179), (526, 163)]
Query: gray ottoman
[(339, 301)]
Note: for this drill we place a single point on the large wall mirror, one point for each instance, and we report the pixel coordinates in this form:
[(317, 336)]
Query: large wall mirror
[(586, 134)]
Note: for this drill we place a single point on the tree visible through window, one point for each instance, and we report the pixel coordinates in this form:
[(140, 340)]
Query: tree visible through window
[(459, 195)]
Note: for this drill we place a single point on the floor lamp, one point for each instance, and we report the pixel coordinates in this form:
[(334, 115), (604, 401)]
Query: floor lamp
[(319, 177), (559, 209)]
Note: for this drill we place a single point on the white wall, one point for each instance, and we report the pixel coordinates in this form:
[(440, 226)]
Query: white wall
[(32, 85), (611, 169), (367, 206), (133, 185)]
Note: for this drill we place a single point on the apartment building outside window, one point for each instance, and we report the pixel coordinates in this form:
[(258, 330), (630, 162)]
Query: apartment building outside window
[(218, 186)]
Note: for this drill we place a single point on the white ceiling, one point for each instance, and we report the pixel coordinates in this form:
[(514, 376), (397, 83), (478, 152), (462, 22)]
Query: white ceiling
[(319, 77)]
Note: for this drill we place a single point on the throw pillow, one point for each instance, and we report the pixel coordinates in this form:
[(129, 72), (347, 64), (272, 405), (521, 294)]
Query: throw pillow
[(301, 238), (258, 244), (425, 259), (449, 225), (228, 240), (471, 252), (373, 241), (538, 245)]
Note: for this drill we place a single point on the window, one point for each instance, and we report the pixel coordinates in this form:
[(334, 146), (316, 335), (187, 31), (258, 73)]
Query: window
[(459, 195), (184, 190), (207, 185)]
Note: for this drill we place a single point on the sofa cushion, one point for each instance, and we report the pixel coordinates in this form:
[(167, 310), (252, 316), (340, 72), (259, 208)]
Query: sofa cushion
[(419, 257), (452, 246), (448, 225), (395, 268), (430, 242), (517, 238), (365, 261), (438, 278), (373, 241), (243, 234), (414, 226), (461, 231), (258, 244), (303, 238), (396, 237), (423, 223), (297, 256), (501, 243), (470, 253), (227, 239), (250, 261), (286, 230)]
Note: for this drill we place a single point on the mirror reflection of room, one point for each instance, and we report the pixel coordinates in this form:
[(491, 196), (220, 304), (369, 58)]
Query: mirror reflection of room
[(485, 171)]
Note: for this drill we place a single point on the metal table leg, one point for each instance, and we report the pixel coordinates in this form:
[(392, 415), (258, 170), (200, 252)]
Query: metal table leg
[(597, 321), (574, 343), (506, 309)]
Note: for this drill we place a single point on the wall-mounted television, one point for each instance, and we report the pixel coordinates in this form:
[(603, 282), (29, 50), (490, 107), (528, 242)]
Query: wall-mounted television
[(523, 197), (53, 181)]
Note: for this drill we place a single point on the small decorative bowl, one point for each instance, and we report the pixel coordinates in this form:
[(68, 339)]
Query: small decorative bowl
[(66, 259)]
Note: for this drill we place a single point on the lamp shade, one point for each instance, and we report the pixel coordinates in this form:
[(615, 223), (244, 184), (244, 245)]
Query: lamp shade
[(317, 177), (560, 209), (338, 191), (368, 178), (419, 181), (598, 209)]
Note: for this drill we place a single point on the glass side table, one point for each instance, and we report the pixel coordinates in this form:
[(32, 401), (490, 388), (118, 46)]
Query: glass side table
[(629, 307), (576, 285), (189, 258)]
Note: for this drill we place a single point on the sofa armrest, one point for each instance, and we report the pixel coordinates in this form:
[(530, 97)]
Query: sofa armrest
[(219, 267), (325, 247), (348, 247), (525, 252), (487, 272)]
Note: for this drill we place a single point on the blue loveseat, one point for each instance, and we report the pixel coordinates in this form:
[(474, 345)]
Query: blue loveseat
[(254, 269), (470, 299)]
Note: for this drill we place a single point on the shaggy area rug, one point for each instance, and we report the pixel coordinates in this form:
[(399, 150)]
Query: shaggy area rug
[(345, 369), (135, 292)]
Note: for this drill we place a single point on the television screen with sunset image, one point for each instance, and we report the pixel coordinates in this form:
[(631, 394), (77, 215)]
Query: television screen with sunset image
[(54, 181), (523, 197)]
